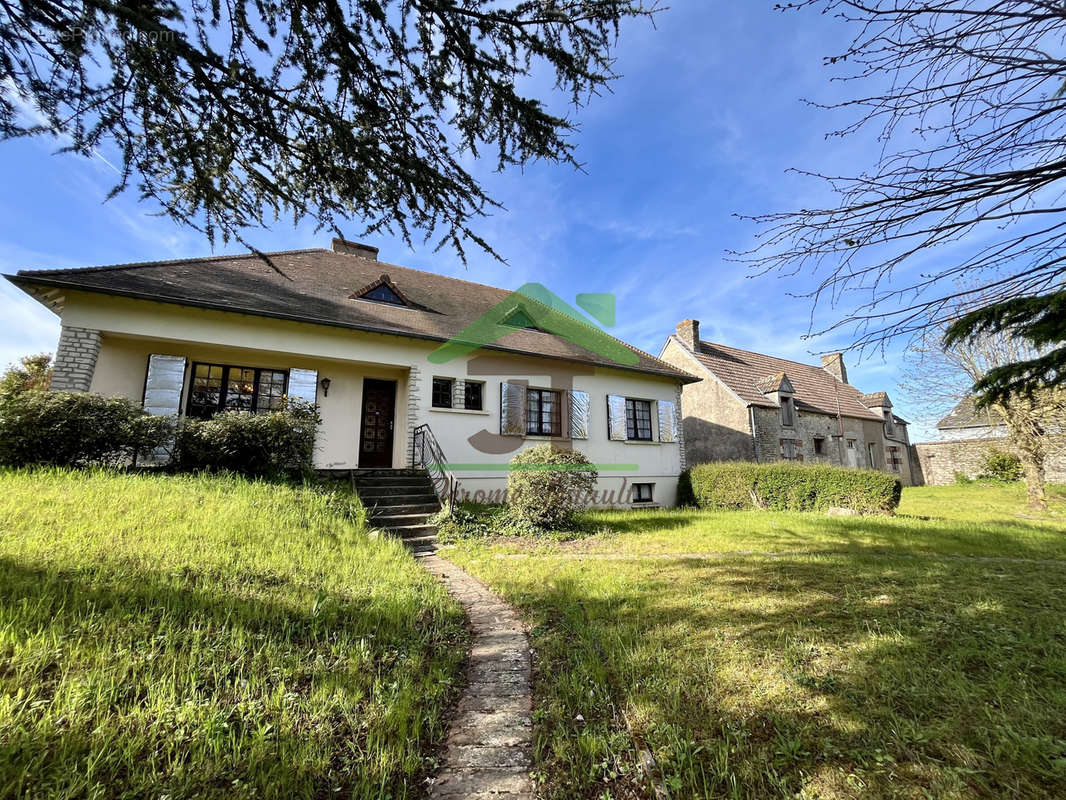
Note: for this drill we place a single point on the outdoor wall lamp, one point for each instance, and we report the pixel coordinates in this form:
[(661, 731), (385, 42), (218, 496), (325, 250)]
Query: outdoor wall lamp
[(325, 382)]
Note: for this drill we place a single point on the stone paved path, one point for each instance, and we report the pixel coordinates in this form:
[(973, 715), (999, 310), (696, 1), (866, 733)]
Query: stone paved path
[(489, 747)]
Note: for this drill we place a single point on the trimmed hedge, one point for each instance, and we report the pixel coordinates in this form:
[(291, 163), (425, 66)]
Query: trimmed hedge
[(789, 487)]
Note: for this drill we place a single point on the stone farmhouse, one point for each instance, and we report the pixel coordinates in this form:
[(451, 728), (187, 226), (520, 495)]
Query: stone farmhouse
[(755, 407)]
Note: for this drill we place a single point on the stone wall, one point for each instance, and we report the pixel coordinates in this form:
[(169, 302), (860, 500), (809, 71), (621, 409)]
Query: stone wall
[(714, 422), (810, 426), (75, 359), (937, 462)]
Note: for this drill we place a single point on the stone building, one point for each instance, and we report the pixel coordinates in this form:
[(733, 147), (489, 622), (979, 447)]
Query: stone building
[(965, 437), (754, 407)]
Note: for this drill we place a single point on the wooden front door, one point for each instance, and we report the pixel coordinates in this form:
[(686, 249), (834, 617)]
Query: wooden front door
[(375, 437)]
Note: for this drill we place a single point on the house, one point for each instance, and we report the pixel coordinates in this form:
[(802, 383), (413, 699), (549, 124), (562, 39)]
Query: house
[(965, 437), (406, 366), (966, 421), (755, 407)]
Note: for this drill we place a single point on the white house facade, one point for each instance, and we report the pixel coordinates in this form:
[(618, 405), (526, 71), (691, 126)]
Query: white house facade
[(369, 343)]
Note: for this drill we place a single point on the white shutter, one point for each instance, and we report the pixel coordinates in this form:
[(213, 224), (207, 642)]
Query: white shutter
[(303, 385), (579, 415), (512, 409), (162, 398), (616, 417), (667, 420), (163, 385)]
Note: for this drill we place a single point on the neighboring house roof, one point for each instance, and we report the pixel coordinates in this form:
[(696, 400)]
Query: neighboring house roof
[(744, 372), (316, 286), (966, 415)]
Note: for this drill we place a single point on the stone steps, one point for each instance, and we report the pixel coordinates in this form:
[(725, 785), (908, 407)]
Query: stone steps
[(400, 502)]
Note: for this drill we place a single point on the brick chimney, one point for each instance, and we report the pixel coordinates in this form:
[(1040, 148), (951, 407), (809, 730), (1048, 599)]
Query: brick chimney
[(689, 333), (833, 363), (354, 249)]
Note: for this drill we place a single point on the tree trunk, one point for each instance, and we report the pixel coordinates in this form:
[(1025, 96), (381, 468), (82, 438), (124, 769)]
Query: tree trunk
[(1034, 484)]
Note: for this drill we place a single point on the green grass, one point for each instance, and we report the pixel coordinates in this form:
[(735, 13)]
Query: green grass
[(207, 637), (869, 661)]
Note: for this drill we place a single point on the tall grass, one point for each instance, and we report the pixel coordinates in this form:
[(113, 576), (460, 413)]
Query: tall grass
[(870, 658), (211, 637)]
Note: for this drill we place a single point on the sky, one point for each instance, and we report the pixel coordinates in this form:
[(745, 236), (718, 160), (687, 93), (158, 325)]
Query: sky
[(703, 125)]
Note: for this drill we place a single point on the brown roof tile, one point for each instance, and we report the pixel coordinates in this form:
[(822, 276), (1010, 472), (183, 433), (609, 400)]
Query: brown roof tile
[(876, 400), (315, 286), (815, 389)]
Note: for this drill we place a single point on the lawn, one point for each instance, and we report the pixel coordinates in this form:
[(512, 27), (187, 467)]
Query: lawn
[(804, 655), (180, 637)]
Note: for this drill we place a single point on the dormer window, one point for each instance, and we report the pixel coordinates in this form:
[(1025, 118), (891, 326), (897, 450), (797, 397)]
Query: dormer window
[(383, 290), (890, 425), (520, 319), (788, 411), (383, 294)]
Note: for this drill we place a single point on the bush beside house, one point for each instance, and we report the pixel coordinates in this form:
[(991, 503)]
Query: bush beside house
[(789, 487), (547, 486), (261, 445), (76, 429)]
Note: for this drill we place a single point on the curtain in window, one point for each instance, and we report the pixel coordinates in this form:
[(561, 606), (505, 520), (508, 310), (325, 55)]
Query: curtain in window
[(579, 415), (616, 417), (303, 384), (512, 409), (667, 420)]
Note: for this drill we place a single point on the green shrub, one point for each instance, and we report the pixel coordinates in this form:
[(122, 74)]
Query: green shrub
[(250, 444), (962, 479), (789, 487), (546, 487), (76, 429), (999, 465)]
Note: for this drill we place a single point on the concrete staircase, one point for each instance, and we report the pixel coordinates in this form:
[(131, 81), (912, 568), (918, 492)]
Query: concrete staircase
[(400, 502)]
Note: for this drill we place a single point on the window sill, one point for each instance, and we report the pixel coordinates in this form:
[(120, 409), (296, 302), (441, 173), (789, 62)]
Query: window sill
[(459, 411), (643, 442), (537, 437)]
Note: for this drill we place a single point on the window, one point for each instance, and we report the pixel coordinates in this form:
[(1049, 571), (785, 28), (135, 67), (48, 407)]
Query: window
[(638, 420), (543, 413), (789, 449), (890, 427), (520, 319), (642, 492), (473, 392), (819, 446), (442, 392), (893, 458), (787, 411), (216, 387), (383, 294)]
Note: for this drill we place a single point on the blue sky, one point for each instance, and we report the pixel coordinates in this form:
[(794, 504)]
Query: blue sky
[(703, 124)]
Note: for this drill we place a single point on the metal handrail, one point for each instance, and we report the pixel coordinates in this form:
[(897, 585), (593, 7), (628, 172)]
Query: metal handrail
[(426, 453)]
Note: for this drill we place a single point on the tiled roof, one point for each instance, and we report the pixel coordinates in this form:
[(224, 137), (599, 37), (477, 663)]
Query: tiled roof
[(815, 389), (772, 383), (876, 400), (315, 286), (965, 415)]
